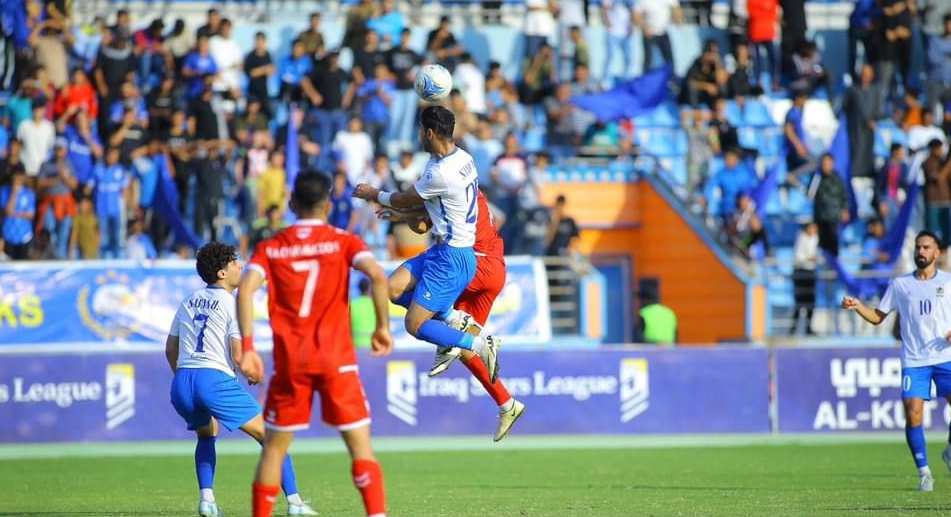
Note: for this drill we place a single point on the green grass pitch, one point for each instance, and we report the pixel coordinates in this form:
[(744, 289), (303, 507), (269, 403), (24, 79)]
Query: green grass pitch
[(523, 477)]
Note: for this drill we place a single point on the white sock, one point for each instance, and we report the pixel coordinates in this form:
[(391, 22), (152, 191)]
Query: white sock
[(453, 315), (509, 404), (295, 499), (478, 345), (207, 495), (924, 471)]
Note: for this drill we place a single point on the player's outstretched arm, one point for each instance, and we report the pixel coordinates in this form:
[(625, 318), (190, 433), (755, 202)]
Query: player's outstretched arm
[(873, 316), (398, 200), (417, 218), (251, 364), (171, 351), (381, 341)]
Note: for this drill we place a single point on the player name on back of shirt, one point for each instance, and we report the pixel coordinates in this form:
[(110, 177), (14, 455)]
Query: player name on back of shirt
[(303, 250)]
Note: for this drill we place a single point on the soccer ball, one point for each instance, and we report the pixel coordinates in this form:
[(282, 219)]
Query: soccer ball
[(433, 83)]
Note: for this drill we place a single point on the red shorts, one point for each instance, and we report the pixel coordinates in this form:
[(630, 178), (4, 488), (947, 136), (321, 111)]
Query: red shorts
[(485, 287), (290, 397)]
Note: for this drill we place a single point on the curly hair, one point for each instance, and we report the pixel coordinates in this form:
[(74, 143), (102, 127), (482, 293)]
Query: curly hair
[(212, 258)]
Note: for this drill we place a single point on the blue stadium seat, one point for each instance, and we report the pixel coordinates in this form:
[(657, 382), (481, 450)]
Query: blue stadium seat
[(755, 113), (750, 137), (665, 115), (733, 114), (662, 143), (534, 139), (798, 203), (683, 145)]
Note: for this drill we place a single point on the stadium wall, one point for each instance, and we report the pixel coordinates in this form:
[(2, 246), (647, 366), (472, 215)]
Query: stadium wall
[(123, 395), (714, 303)]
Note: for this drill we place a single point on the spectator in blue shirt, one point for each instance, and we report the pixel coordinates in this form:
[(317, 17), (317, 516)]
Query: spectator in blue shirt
[(83, 152), (138, 245), (294, 68), (388, 24), (860, 29), (872, 247), (198, 66), (18, 205), (939, 66), (109, 184), (343, 215), (798, 159), (376, 95), (735, 177)]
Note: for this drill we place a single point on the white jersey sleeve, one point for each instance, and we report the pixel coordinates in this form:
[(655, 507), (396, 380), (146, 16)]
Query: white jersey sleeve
[(206, 323), (887, 303), (449, 187)]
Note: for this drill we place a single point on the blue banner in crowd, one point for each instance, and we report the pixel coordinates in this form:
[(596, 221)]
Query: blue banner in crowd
[(847, 390), (629, 98), (124, 396), (128, 304)]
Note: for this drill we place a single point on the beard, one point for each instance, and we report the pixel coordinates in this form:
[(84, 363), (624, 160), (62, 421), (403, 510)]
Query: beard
[(923, 262), (427, 147)]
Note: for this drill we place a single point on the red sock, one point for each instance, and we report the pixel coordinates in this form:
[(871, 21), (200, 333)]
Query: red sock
[(368, 478), (262, 499), (498, 392)]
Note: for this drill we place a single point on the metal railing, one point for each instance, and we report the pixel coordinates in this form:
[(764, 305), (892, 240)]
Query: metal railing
[(564, 281)]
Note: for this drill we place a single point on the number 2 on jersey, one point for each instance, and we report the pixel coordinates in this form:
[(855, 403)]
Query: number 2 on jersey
[(924, 307), (312, 268), (472, 193), (200, 339)]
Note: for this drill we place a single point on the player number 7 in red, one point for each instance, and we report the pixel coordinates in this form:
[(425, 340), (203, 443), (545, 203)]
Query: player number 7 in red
[(312, 268)]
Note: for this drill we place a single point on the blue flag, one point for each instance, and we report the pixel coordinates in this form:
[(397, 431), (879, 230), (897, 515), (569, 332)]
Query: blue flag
[(165, 203), (840, 151), (292, 153), (629, 98), (892, 244), (765, 189)]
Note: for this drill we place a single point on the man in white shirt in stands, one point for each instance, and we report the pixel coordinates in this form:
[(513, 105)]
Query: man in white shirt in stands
[(38, 137), (654, 18), (616, 17), (230, 60), (923, 302)]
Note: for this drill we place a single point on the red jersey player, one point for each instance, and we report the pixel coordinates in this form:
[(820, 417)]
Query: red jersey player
[(307, 267), (473, 306)]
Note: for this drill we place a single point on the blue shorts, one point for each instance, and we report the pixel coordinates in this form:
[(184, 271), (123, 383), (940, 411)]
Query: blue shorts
[(916, 381), (201, 393), (442, 273)]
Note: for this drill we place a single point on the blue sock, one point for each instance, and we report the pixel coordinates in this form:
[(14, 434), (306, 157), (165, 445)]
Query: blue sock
[(438, 333), (288, 478), (405, 299), (915, 436), (205, 462)]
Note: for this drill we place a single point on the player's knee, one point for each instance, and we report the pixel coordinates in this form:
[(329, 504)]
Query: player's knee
[(413, 324), (395, 290), (913, 415)]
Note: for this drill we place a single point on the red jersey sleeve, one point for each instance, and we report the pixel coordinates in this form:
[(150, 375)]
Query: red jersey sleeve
[(258, 261), (354, 249)]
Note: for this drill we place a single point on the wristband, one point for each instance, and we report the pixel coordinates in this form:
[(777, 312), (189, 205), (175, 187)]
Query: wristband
[(384, 198), (247, 343)]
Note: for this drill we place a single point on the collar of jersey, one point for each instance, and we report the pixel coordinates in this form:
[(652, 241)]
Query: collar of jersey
[(215, 287), (309, 222)]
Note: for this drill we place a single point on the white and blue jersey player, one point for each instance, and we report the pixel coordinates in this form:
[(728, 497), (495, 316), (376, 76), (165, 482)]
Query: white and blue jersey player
[(202, 348), (923, 302), (429, 284)]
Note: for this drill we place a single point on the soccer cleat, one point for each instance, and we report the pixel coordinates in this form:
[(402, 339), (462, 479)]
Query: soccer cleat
[(946, 457), (490, 356), (444, 357), (508, 418), (206, 509), (300, 509), (925, 483)]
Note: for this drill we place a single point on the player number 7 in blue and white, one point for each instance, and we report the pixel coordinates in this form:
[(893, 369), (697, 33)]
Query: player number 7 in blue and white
[(200, 338)]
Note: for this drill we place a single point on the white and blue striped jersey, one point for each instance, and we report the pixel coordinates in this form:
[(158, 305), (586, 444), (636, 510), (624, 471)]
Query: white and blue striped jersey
[(205, 324), (449, 186)]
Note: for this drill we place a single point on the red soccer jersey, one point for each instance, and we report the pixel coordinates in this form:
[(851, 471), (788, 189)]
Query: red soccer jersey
[(307, 267), (487, 240)]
